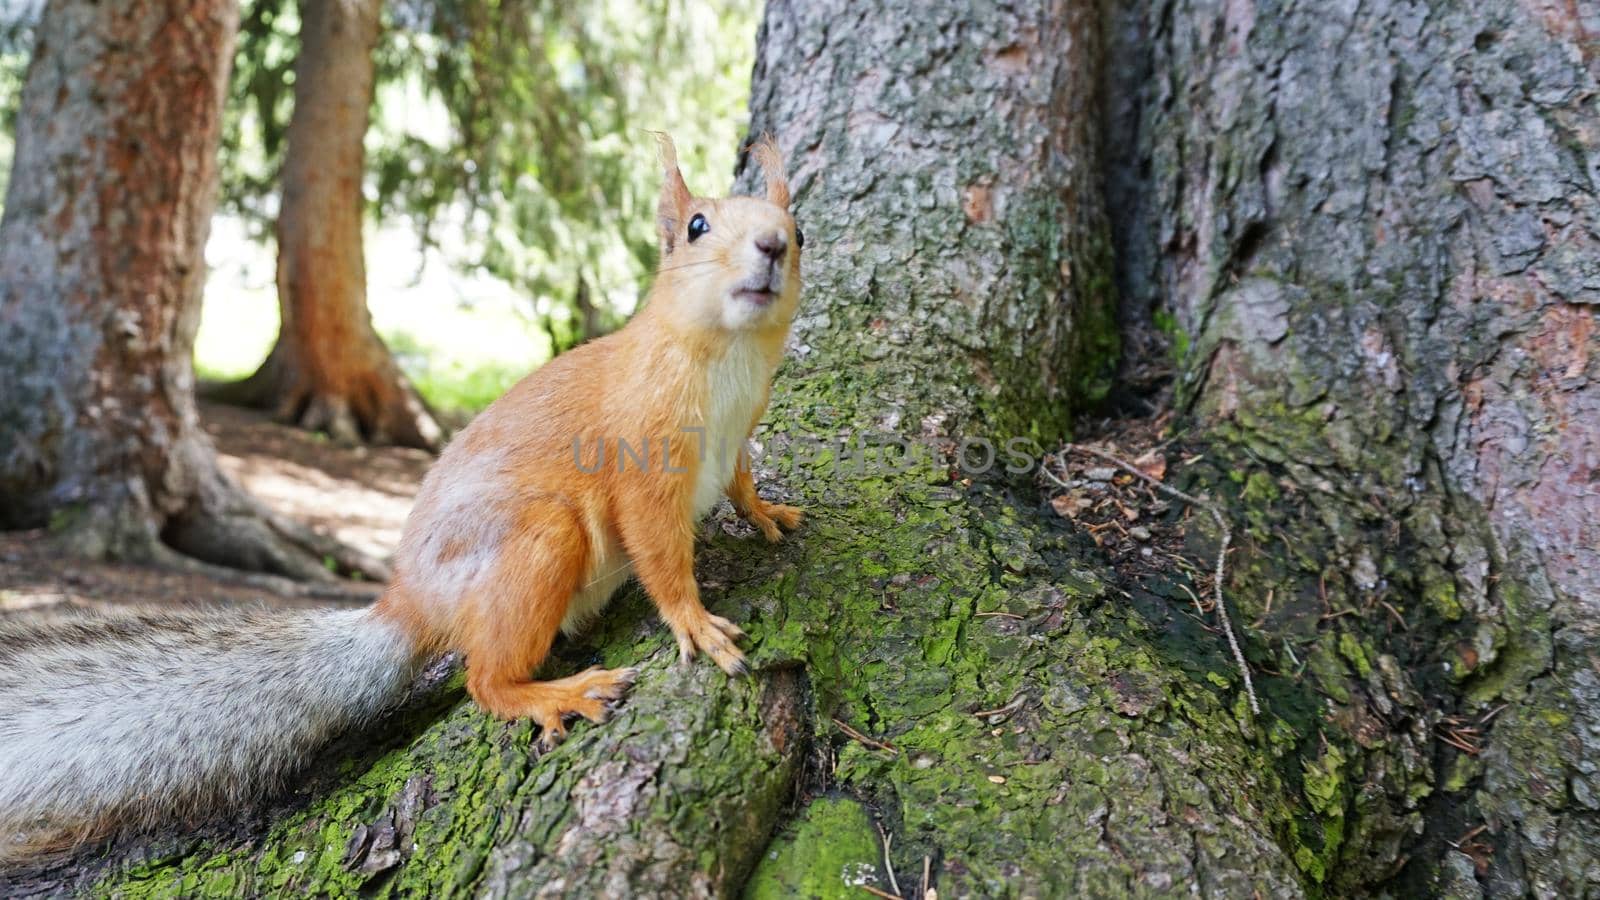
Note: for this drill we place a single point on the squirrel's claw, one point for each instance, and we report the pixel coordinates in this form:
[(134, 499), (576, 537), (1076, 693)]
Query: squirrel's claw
[(589, 693), (553, 734), (621, 680), (768, 516), (716, 637)]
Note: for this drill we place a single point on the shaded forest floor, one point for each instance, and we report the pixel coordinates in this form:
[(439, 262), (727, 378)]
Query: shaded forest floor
[(360, 495)]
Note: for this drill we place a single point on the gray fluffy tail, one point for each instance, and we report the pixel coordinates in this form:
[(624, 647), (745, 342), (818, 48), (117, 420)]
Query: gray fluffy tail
[(126, 720)]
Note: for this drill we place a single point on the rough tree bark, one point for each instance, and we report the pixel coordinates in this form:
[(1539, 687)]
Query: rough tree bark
[(1380, 225), (101, 269), (329, 371)]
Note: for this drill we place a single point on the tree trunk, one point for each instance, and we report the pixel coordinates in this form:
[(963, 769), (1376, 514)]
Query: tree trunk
[(1379, 224), (329, 370), (101, 269)]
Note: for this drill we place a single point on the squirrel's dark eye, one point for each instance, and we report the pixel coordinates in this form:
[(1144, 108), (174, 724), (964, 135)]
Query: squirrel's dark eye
[(799, 238), (698, 226)]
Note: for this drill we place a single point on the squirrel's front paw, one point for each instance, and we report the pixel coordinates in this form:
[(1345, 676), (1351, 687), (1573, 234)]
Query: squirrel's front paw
[(768, 516), (715, 637)]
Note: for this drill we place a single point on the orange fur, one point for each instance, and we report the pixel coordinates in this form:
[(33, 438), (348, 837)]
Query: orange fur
[(511, 540), (765, 516)]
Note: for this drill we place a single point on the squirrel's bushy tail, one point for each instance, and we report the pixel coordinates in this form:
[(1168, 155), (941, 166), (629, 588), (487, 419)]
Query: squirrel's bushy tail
[(125, 720)]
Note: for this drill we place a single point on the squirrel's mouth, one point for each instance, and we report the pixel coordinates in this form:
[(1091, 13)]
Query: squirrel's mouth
[(756, 296), (758, 291)]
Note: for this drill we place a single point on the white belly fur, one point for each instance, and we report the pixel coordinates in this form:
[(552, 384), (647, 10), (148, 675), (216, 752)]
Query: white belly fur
[(736, 382), (607, 573)]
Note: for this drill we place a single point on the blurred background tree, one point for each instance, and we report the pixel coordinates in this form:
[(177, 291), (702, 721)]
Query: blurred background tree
[(507, 177), (329, 371), (508, 144)]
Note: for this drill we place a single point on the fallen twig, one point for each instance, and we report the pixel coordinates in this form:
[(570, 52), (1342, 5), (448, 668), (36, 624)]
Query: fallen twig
[(1261, 620), (1492, 713), (1396, 613), (1467, 837), (1462, 738), (1013, 706), (874, 744), (1222, 550), (1199, 610), (888, 866)]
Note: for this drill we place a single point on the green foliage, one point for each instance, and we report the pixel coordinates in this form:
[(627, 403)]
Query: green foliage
[(16, 39), (514, 134), (260, 99), (454, 386)]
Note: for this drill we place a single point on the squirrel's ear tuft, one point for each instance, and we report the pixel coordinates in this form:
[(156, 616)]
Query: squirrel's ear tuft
[(767, 155), (675, 196)]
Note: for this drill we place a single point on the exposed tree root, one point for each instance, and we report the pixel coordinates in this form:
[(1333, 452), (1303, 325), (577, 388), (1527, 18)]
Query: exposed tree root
[(221, 531), (228, 527), (370, 400)]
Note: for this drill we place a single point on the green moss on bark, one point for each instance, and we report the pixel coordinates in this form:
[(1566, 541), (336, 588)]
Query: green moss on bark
[(831, 850)]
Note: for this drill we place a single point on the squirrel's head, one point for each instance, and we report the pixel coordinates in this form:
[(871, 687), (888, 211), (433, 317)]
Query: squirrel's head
[(730, 263)]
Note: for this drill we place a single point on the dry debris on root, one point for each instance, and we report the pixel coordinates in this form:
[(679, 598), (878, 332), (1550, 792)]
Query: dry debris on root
[(1118, 496)]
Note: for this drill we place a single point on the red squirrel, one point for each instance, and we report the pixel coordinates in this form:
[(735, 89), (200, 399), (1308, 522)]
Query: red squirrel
[(594, 468)]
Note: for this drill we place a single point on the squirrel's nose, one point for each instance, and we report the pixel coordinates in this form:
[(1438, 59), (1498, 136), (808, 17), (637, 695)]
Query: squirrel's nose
[(772, 245)]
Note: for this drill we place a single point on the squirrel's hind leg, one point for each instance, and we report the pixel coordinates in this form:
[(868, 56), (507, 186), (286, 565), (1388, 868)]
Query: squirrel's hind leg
[(509, 630), (550, 703)]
